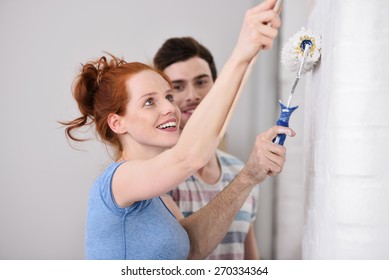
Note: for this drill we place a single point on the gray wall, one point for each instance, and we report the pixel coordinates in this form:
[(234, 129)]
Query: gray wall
[(44, 182)]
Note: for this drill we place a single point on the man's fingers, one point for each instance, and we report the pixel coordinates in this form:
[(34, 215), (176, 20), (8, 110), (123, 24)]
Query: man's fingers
[(271, 133)]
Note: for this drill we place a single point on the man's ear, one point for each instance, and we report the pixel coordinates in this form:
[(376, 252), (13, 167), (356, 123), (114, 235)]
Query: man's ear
[(116, 124)]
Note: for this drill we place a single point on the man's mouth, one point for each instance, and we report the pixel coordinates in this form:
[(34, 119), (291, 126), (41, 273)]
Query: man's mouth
[(188, 111)]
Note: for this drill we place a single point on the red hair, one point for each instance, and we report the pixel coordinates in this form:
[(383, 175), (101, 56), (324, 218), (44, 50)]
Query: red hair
[(99, 91)]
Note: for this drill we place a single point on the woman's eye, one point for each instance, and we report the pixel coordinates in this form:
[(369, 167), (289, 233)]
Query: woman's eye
[(149, 102), (170, 97)]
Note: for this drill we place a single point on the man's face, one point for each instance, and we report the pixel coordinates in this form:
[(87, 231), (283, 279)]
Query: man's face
[(192, 79)]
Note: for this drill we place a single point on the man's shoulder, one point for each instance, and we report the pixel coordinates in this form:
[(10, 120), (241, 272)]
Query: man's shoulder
[(230, 165), (228, 159)]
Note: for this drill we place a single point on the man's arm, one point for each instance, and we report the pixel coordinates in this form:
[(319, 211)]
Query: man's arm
[(208, 226)]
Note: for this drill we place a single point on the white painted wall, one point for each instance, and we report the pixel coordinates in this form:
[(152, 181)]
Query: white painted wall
[(347, 133)]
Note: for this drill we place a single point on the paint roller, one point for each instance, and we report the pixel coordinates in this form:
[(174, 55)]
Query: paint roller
[(300, 54)]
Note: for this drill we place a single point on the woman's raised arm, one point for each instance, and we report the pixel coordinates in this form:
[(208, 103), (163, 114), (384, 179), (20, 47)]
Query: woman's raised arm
[(201, 135)]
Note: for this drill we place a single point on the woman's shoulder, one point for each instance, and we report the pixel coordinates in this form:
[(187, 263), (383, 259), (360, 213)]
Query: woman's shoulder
[(109, 170)]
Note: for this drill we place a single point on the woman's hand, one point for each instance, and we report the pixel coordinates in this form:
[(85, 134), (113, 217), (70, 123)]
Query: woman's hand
[(258, 31)]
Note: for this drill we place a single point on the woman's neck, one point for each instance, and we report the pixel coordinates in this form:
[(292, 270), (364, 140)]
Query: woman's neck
[(140, 153)]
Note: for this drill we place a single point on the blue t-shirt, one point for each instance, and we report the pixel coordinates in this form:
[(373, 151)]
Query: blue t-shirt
[(144, 230)]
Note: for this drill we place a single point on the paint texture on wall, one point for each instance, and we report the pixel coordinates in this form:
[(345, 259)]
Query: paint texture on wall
[(347, 133)]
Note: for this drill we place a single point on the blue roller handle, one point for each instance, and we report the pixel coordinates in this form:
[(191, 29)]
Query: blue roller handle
[(283, 120)]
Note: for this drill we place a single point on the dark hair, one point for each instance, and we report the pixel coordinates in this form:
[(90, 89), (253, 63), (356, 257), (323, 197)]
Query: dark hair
[(99, 91), (181, 49)]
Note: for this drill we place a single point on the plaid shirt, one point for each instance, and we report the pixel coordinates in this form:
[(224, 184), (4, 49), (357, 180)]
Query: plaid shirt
[(194, 194)]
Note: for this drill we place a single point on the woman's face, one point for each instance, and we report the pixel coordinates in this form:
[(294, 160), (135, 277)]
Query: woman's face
[(152, 118)]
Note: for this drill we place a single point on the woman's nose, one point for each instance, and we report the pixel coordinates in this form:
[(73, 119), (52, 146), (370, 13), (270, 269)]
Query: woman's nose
[(168, 107)]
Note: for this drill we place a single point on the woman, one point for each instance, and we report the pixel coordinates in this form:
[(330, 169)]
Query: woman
[(132, 108)]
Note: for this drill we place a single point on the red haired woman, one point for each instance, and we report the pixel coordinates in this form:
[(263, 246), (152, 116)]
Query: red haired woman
[(132, 108)]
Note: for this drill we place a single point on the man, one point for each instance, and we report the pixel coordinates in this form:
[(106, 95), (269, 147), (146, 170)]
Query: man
[(192, 70)]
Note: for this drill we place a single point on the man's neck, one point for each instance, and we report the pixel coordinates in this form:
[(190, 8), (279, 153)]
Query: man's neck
[(211, 172)]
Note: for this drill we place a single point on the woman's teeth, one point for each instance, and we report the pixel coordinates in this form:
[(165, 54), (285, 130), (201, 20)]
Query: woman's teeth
[(167, 125)]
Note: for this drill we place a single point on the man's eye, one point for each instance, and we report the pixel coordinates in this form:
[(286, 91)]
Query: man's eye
[(202, 83), (178, 87)]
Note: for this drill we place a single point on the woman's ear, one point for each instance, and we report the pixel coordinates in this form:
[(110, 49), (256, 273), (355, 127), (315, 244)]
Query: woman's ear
[(116, 124)]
